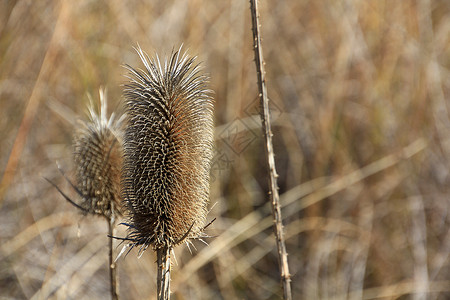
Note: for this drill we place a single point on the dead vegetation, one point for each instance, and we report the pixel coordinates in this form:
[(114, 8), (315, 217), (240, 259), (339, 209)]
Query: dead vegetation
[(360, 96)]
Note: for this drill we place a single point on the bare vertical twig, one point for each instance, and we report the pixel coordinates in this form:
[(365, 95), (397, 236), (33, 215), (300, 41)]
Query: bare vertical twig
[(265, 119), (112, 263), (163, 277)]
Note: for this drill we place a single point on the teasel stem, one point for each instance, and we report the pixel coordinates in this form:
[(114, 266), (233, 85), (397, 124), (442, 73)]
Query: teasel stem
[(265, 120), (112, 263), (163, 277)]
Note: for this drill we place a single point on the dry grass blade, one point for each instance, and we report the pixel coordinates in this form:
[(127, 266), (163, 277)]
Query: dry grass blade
[(401, 289), (36, 229), (32, 107), (65, 273)]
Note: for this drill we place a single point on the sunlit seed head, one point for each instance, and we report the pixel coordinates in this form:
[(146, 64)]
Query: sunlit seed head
[(168, 150)]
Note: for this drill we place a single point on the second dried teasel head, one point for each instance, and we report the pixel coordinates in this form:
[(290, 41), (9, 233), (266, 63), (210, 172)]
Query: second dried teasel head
[(98, 161)]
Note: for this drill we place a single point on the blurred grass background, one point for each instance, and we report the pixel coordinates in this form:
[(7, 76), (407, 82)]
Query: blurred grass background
[(360, 103)]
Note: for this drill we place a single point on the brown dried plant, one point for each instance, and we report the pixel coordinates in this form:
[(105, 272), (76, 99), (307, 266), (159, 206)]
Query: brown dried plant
[(168, 151), (98, 162)]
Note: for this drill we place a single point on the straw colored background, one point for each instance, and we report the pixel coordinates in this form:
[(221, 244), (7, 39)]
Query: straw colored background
[(360, 106)]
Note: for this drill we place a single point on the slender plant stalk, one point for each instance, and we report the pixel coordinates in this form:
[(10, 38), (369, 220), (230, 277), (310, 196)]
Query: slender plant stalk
[(112, 264), (163, 277), (265, 119)]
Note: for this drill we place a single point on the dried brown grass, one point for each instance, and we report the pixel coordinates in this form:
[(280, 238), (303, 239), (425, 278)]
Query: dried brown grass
[(360, 95)]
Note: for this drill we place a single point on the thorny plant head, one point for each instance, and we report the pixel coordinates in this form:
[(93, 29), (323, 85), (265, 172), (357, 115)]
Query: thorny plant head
[(98, 159), (168, 151)]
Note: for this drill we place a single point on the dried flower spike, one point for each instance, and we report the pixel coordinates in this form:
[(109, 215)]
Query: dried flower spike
[(98, 160), (168, 151)]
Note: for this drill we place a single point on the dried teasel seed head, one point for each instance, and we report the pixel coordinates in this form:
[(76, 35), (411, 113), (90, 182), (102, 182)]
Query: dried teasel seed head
[(98, 158), (168, 151)]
